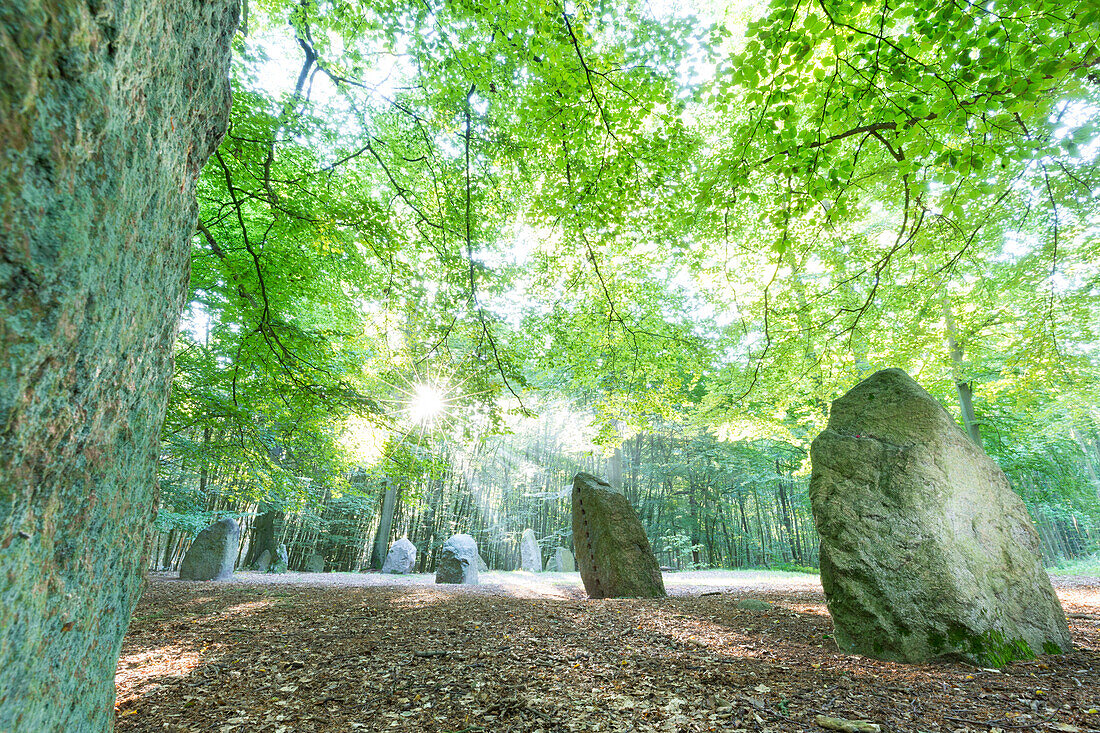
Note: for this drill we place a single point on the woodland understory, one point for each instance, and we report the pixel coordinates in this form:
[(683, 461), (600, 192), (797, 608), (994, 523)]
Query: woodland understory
[(524, 652)]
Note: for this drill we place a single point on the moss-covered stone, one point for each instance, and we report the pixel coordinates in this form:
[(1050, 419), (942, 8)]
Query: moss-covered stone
[(108, 109), (925, 549)]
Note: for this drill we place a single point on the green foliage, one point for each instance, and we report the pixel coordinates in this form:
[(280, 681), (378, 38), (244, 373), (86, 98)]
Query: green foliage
[(694, 235)]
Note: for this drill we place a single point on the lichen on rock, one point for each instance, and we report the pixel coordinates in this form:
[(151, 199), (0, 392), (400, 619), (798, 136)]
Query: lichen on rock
[(107, 112), (925, 550)]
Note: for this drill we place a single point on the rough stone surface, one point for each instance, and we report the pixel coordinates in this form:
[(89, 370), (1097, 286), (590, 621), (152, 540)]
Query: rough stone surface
[(212, 553), (613, 552), (562, 562), (529, 552), (314, 564), (458, 561), (925, 549), (263, 562), (279, 565), (107, 112), (401, 557), (753, 604), (482, 566)]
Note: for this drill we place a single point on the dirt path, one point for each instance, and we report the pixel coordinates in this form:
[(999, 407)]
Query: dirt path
[(523, 652)]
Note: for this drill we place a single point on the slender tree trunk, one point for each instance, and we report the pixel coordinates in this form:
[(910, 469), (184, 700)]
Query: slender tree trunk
[(966, 393)]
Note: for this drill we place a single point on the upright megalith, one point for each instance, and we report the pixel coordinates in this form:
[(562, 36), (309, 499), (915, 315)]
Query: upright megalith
[(562, 562), (212, 553), (314, 564), (281, 561), (458, 561), (613, 552), (401, 558), (263, 562), (529, 553), (925, 549), (107, 113)]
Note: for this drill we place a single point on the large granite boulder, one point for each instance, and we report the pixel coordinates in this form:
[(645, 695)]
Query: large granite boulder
[(314, 564), (925, 550), (108, 111), (212, 553), (401, 557), (529, 552), (458, 561), (613, 552)]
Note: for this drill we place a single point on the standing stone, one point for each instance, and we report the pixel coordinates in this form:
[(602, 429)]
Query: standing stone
[(458, 561), (563, 560), (107, 113), (529, 552), (212, 553), (925, 549), (612, 548), (401, 558), (263, 563), (314, 564), (482, 566), (281, 561)]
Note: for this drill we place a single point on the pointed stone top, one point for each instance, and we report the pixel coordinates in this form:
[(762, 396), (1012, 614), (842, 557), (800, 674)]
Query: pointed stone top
[(891, 407)]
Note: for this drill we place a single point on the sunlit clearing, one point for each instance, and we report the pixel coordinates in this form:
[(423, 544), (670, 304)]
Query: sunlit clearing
[(427, 403)]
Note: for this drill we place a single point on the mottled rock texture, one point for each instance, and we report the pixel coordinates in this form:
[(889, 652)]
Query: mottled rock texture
[(925, 549), (212, 554), (401, 558), (529, 552), (562, 561), (314, 564), (458, 561), (108, 109), (613, 552)]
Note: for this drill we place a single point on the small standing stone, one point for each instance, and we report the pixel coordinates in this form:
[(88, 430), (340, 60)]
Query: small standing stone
[(281, 561), (212, 554), (529, 552), (263, 562), (401, 558), (482, 566), (613, 552), (314, 564), (458, 561), (563, 560)]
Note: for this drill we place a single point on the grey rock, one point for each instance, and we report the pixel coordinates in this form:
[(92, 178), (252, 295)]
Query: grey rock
[(529, 552), (263, 564), (613, 552), (458, 561), (107, 113), (401, 557), (482, 566), (281, 561), (314, 564), (925, 550), (562, 562), (753, 604), (213, 552)]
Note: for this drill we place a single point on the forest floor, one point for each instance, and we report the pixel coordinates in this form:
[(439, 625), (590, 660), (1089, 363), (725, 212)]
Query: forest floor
[(524, 652)]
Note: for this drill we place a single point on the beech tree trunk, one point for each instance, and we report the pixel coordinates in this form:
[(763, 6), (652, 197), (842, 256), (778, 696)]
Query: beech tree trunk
[(107, 112)]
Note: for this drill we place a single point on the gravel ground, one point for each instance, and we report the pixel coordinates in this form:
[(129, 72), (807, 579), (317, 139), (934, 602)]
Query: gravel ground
[(522, 584)]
